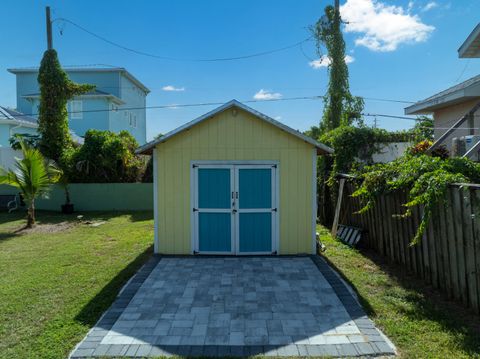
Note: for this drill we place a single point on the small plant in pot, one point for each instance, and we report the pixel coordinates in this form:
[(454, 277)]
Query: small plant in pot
[(67, 207)]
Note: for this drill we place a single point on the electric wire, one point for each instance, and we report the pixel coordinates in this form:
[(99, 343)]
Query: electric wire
[(147, 54)]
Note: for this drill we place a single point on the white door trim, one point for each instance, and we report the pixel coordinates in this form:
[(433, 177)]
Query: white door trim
[(314, 201), (155, 201)]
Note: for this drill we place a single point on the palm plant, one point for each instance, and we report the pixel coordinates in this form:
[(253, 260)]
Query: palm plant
[(33, 175)]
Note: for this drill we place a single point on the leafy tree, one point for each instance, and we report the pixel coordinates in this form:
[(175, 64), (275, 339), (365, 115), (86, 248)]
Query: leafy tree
[(341, 108), (423, 130), (55, 91), (27, 138), (106, 157), (33, 175)]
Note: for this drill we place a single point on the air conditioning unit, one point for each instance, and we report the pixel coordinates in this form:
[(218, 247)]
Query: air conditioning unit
[(461, 145)]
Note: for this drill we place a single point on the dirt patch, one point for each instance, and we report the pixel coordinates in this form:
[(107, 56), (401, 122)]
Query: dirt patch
[(46, 228)]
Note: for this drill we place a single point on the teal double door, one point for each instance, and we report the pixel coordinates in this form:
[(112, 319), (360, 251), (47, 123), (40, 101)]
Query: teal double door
[(234, 209)]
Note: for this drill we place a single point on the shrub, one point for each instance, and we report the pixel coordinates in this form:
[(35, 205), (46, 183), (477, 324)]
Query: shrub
[(147, 176), (425, 178), (105, 157)]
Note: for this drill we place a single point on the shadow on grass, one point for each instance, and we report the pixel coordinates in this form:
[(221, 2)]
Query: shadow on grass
[(92, 311), (425, 303), (430, 304), (363, 301)]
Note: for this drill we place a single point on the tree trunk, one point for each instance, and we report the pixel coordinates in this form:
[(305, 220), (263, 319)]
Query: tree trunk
[(31, 214)]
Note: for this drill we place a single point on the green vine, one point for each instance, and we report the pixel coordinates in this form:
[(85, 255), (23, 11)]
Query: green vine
[(341, 108), (425, 178), (55, 90), (354, 146)]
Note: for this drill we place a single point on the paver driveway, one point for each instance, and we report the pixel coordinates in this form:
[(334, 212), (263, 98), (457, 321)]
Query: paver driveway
[(235, 306)]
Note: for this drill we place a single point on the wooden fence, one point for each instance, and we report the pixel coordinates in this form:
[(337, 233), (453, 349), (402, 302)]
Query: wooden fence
[(447, 257)]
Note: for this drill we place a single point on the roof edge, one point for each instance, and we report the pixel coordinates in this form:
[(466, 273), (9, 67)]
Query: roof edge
[(474, 35), (122, 70), (147, 148), (114, 98), (452, 95)]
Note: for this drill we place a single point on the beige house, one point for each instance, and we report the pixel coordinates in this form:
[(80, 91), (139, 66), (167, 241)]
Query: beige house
[(456, 110)]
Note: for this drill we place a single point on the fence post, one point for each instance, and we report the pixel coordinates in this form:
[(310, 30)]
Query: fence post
[(469, 251), (457, 213)]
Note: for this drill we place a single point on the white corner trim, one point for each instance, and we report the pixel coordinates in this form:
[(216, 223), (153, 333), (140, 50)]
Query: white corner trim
[(193, 217), (155, 201), (314, 201)]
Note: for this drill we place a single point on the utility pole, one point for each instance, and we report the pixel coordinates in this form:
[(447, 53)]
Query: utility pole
[(49, 28)]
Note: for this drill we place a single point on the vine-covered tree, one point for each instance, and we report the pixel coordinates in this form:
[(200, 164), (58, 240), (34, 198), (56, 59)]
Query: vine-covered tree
[(341, 108), (55, 91)]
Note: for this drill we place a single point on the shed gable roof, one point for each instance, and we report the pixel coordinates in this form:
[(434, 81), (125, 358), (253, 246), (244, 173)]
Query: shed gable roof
[(148, 147)]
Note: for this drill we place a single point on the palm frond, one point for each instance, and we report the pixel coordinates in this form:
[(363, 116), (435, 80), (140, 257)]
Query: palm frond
[(32, 174)]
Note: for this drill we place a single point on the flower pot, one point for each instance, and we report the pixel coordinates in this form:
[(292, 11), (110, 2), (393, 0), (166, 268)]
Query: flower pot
[(67, 208)]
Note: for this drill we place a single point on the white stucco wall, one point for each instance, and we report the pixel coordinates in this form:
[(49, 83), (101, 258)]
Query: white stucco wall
[(390, 151)]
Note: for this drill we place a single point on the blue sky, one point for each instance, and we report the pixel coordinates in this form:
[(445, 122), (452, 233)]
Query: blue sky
[(402, 50)]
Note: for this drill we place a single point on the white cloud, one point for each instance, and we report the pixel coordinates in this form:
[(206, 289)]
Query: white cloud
[(410, 6), (431, 5), (325, 61), (267, 95), (383, 27), (173, 88)]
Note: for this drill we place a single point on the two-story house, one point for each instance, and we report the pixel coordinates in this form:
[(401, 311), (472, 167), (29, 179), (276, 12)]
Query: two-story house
[(456, 110), (117, 103)]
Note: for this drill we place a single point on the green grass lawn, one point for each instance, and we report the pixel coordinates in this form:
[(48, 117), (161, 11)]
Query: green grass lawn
[(419, 321), (56, 281)]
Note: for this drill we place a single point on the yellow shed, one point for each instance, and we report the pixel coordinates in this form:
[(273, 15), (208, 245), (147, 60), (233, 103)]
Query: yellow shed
[(234, 181)]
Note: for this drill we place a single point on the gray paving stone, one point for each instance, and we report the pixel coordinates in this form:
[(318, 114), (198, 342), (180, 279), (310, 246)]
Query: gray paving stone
[(383, 348), (83, 352), (288, 350), (101, 349), (347, 350), (236, 306), (132, 350), (364, 348), (143, 350)]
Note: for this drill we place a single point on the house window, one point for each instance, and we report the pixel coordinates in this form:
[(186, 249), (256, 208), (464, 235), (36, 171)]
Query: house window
[(133, 120), (76, 108)]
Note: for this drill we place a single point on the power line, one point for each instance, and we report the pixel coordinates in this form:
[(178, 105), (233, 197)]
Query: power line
[(387, 100), (391, 116), (143, 53), (173, 106)]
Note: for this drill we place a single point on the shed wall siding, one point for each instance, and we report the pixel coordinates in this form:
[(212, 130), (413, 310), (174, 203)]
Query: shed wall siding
[(234, 138)]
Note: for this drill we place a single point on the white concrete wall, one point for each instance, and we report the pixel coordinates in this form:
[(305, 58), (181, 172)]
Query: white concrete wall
[(390, 151), (7, 157)]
